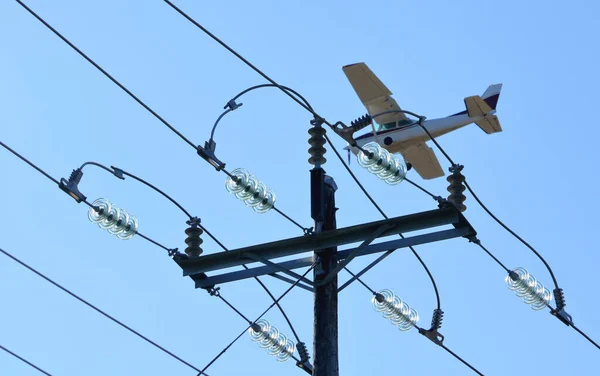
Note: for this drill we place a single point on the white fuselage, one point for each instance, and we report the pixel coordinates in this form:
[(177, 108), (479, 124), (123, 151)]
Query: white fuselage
[(397, 139)]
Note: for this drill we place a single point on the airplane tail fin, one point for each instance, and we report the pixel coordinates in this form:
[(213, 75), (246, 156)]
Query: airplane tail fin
[(485, 106)]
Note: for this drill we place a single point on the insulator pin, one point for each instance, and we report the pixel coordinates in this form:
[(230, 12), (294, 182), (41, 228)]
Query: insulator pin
[(303, 352), (456, 189), (528, 288), (559, 297), (193, 241), (390, 168), (116, 221), (254, 193), (436, 320), (394, 309), (316, 141), (362, 122), (270, 339)]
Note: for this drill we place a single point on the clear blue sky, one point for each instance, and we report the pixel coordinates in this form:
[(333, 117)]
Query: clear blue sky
[(539, 176)]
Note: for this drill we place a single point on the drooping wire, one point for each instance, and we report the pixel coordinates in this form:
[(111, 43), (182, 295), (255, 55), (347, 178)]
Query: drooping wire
[(106, 73), (488, 211), (116, 82), (25, 361), (364, 190), (47, 279), (307, 105), (258, 318), (115, 169), (513, 234), (64, 39)]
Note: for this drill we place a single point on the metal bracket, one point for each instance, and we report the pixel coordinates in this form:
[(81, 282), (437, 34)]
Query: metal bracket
[(563, 316), (355, 252), (277, 267), (433, 335)]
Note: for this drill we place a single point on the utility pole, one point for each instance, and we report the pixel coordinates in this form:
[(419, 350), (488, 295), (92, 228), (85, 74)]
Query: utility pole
[(325, 342)]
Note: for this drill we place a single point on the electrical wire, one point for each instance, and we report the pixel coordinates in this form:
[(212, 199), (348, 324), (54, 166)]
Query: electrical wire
[(258, 318), (584, 335), (24, 360), (308, 105), (478, 242), (363, 189), (56, 181), (512, 233), (29, 163), (461, 359), (97, 66), (454, 165), (106, 74), (25, 265), (116, 82), (199, 225)]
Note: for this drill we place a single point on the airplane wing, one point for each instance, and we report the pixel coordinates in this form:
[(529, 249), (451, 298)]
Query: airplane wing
[(423, 161), (372, 92)]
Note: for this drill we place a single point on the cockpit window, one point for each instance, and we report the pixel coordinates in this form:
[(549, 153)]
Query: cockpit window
[(394, 124)]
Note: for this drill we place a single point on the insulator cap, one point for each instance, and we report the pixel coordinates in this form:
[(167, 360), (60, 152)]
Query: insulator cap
[(436, 320), (316, 140), (559, 297), (456, 189), (116, 221), (528, 288), (193, 241), (362, 122), (303, 352)]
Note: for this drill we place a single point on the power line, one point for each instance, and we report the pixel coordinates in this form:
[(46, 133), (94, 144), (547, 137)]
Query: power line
[(364, 190), (116, 82), (24, 360), (454, 165), (123, 172), (116, 321), (106, 74), (56, 181), (258, 318), (29, 163)]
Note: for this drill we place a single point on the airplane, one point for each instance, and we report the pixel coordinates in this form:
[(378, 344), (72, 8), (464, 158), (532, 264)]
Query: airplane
[(399, 134)]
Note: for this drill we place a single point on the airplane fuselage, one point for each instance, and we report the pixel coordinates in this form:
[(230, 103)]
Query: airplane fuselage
[(397, 139)]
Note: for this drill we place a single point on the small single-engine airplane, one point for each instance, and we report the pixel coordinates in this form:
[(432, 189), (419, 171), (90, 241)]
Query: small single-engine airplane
[(397, 133)]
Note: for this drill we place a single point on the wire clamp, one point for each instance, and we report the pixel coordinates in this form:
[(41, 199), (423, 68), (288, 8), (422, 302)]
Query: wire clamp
[(308, 231), (214, 291), (172, 252)]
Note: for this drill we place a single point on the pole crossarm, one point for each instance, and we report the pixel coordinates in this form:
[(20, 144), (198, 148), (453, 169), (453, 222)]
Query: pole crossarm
[(264, 253)]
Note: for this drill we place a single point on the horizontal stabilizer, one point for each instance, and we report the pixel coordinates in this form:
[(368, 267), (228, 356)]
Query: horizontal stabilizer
[(476, 107), (490, 124)]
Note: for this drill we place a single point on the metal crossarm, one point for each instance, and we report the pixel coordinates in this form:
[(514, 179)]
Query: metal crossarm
[(264, 253)]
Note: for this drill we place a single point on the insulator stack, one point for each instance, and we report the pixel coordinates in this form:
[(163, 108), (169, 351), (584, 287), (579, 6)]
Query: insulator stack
[(316, 150), (390, 168), (362, 122), (436, 320), (528, 288), (456, 189), (248, 189), (559, 297), (116, 221), (76, 176), (303, 352), (269, 338), (395, 310), (193, 241)]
